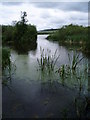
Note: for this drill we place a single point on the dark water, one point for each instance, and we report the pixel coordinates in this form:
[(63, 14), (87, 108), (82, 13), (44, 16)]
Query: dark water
[(32, 94)]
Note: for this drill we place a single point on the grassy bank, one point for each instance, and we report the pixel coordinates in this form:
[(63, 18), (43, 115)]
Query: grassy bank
[(72, 35)]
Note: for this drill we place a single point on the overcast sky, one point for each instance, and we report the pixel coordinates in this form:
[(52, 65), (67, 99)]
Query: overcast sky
[(46, 14)]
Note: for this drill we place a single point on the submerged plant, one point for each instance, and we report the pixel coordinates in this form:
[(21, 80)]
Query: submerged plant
[(64, 70), (65, 113), (80, 106)]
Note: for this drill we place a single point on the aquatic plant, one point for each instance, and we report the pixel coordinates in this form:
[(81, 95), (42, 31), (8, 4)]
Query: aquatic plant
[(74, 60), (80, 106), (69, 71), (65, 113), (47, 61), (6, 63), (67, 74), (8, 68), (64, 70), (87, 103)]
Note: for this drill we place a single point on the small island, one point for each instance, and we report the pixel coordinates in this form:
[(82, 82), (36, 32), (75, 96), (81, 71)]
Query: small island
[(21, 36)]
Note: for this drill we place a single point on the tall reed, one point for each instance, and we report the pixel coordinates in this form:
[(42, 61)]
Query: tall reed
[(47, 62), (74, 60)]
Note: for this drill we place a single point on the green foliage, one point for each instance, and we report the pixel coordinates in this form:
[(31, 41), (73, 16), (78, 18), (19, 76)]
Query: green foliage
[(5, 59), (25, 35), (23, 18), (27, 40), (8, 67), (75, 60), (21, 36), (47, 62), (62, 71), (7, 34), (71, 32)]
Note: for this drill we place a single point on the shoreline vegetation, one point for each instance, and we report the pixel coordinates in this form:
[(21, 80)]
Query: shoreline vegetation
[(72, 35), (20, 36)]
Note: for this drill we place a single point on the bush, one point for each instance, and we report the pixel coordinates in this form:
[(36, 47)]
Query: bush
[(21, 36), (25, 36), (7, 34), (71, 32)]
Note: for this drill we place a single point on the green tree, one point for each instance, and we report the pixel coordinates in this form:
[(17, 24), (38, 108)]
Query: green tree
[(23, 18), (25, 35)]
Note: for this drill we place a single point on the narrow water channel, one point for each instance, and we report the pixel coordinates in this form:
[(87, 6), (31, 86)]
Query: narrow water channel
[(27, 94), (27, 65)]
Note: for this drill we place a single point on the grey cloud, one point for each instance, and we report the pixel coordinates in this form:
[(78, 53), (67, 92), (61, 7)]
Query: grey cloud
[(40, 15), (57, 21), (78, 18), (45, 15), (11, 3), (66, 6)]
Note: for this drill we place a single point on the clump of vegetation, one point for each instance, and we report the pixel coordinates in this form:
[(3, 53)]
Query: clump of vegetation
[(21, 36), (66, 70), (47, 65), (6, 62), (47, 61), (75, 60), (7, 66), (25, 35), (72, 34), (7, 35)]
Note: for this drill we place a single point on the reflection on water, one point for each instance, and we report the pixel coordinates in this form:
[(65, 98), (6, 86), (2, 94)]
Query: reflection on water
[(26, 65), (27, 47)]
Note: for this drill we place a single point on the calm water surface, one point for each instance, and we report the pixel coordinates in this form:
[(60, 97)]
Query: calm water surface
[(27, 65), (32, 94)]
